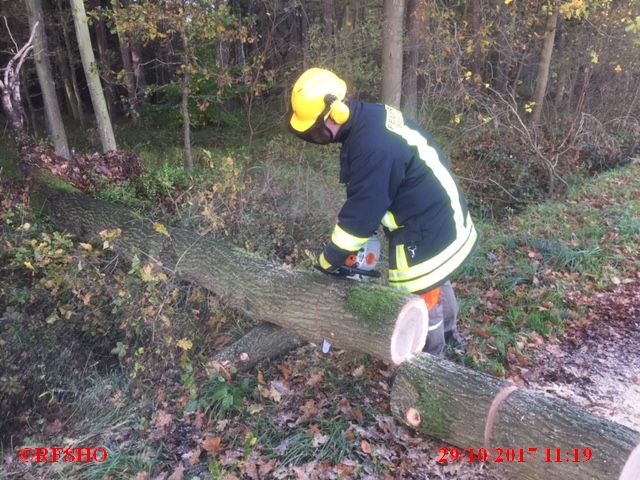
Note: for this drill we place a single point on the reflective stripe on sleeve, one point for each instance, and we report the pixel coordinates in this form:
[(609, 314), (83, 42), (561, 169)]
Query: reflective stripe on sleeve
[(346, 241), (323, 262), (389, 221)]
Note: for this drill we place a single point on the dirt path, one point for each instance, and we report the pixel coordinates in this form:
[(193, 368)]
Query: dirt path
[(597, 367)]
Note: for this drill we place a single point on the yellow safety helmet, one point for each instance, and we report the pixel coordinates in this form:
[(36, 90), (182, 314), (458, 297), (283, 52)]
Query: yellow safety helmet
[(318, 92)]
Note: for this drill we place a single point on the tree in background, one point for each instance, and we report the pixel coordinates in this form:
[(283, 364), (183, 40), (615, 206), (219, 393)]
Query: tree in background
[(201, 29), (67, 64), (55, 125), (105, 129), (392, 52)]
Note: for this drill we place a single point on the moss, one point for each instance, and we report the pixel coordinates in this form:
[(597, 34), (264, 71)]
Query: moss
[(375, 305), (436, 412)]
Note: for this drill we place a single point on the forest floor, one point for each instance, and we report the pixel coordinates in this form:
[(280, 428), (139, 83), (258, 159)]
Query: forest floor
[(551, 302)]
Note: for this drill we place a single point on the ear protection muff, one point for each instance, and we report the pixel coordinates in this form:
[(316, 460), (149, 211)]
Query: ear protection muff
[(338, 110)]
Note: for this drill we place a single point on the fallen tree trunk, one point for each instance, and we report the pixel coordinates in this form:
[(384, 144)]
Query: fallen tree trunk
[(265, 341), (351, 315), (493, 421)]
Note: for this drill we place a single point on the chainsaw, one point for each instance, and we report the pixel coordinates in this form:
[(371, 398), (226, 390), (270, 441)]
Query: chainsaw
[(360, 266)]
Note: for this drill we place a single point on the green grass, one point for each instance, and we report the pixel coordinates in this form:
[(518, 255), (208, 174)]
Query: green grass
[(579, 243)]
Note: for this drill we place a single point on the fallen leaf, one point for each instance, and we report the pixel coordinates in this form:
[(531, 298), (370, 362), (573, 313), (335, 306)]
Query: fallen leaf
[(164, 419), (266, 468), (160, 228), (366, 447), (178, 473), (211, 444)]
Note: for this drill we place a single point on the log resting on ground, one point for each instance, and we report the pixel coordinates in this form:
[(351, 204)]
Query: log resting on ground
[(472, 410), (265, 341), (364, 317)]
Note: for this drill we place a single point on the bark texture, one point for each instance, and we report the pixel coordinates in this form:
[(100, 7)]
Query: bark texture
[(55, 125), (416, 21), (392, 52), (447, 401), (350, 315), (105, 129), (545, 66), (265, 341)]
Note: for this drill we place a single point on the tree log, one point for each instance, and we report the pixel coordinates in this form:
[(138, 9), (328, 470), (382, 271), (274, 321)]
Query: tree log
[(266, 340), (364, 317), (472, 410)]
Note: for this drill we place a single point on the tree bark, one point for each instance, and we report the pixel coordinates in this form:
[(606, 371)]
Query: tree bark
[(415, 20), (452, 403), (138, 70), (55, 125), (72, 106), (544, 67), (11, 97), (265, 341), (392, 52), (71, 63), (328, 17), (101, 112), (184, 106), (351, 315), (106, 65), (129, 78)]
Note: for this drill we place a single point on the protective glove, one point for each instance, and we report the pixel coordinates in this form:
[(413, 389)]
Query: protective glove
[(325, 267)]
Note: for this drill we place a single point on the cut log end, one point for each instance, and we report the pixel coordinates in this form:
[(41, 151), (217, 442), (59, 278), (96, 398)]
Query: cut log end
[(413, 417), (410, 332), (631, 470)]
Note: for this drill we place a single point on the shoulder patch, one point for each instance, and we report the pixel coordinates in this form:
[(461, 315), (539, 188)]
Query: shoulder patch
[(395, 121)]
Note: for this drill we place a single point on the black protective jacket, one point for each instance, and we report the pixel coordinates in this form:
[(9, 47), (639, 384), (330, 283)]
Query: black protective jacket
[(397, 175)]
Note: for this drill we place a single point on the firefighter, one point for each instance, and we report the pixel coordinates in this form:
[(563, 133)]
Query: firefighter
[(396, 175)]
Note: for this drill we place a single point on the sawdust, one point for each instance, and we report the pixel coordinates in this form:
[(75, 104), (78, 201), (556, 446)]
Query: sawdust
[(597, 367)]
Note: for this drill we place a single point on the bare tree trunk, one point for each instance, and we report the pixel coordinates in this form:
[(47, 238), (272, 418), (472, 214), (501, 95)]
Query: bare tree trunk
[(477, 37), (416, 20), (544, 68), (184, 107), (138, 71), (11, 99), (392, 52), (72, 106), (55, 125), (101, 112), (106, 65), (130, 79), (71, 64), (349, 19), (24, 84), (328, 17)]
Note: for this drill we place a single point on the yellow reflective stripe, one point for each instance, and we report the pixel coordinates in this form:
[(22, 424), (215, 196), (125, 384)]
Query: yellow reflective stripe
[(429, 155), (433, 263), (323, 262), (439, 274), (389, 221), (346, 241), (401, 258)]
